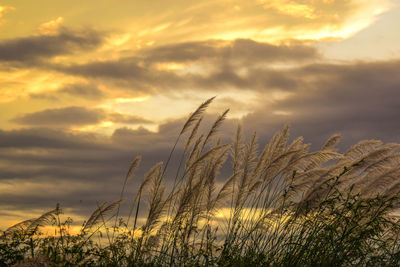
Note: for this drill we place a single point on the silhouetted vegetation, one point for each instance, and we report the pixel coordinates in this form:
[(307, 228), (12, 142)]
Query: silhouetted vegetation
[(280, 206)]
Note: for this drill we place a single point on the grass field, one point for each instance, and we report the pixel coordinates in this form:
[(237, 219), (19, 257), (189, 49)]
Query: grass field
[(281, 205)]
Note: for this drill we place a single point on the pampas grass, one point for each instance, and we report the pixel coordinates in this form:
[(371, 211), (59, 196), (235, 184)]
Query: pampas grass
[(282, 205)]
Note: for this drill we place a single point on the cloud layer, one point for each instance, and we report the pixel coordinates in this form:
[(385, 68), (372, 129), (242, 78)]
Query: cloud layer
[(359, 100), (73, 116), (35, 48)]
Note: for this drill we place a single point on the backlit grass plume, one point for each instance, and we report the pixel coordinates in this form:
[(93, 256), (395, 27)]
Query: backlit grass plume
[(235, 205)]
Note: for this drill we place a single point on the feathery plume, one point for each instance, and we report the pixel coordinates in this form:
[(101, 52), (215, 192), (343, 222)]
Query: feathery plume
[(332, 141), (101, 211), (192, 135), (215, 127), (361, 148), (196, 115), (134, 164), (153, 173)]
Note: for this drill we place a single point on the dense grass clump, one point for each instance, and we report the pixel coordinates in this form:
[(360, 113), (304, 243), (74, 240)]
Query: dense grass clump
[(279, 206)]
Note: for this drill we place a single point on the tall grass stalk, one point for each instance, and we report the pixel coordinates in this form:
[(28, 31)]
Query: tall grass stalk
[(282, 205)]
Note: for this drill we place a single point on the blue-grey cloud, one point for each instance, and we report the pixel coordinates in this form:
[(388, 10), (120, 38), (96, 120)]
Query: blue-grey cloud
[(29, 50), (78, 90), (73, 116)]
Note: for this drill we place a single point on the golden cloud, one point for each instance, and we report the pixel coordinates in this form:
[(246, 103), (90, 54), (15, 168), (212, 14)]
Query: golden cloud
[(263, 20), (51, 27), (291, 8)]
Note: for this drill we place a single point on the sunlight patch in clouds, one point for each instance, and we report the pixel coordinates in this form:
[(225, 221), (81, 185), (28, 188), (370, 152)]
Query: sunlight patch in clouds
[(4, 9), (132, 99), (105, 127), (52, 26), (261, 20), (170, 66), (291, 8), (22, 83), (303, 20)]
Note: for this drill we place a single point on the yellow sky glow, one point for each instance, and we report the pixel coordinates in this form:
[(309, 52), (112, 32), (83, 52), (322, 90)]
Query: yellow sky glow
[(274, 21)]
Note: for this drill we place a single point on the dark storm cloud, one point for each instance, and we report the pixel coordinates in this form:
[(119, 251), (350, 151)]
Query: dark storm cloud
[(27, 50), (74, 115)]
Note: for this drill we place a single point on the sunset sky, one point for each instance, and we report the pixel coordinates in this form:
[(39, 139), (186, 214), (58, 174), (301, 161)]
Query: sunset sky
[(87, 85)]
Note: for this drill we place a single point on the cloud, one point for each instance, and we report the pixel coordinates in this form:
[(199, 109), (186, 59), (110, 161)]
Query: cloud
[(61, 116), (78, 90), (82, 90), (45, 138), (89, 167), (209, 65), (52, 26), (29, 50), (359, 100), (356, 99), (222, 67), (124, 118), (262, 20), (291, 8), (75, 116), (237, 50)]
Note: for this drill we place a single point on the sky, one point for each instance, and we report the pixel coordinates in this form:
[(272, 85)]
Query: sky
[(85, 86)]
